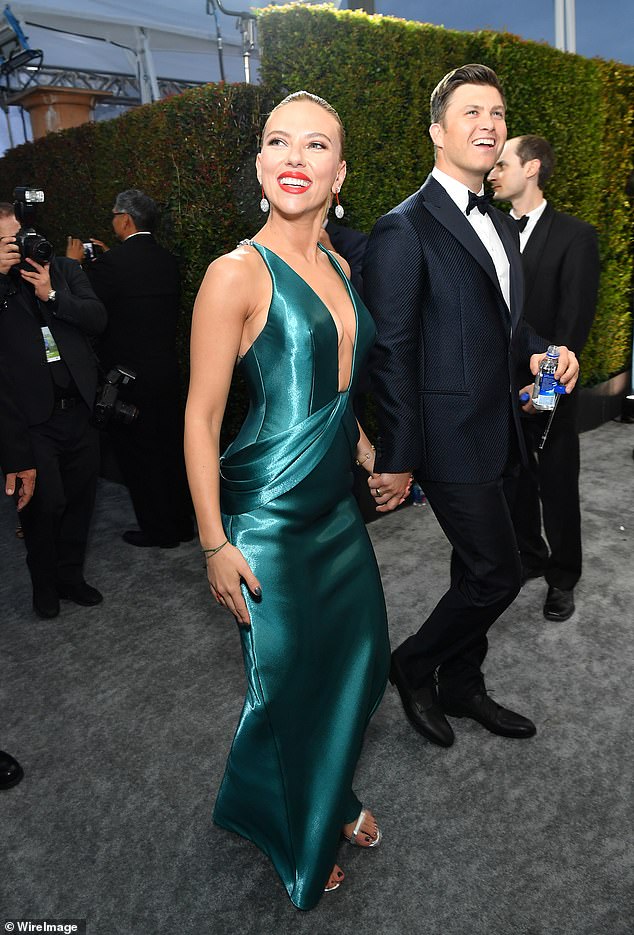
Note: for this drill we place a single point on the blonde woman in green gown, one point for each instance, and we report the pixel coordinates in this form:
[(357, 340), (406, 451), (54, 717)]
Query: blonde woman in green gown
[(286, 549)]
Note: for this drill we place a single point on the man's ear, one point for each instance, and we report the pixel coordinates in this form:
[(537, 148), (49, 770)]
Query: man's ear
[(435, 131), (531, 168)]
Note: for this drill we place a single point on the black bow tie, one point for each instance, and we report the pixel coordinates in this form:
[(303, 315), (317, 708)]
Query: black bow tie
[(481, 202), (521, 222)]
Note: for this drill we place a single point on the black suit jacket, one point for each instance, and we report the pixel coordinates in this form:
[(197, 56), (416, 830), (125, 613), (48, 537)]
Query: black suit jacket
[(442, 369), (139, 283), (561, 266), (351, 245), (76, 316), (15, 448)]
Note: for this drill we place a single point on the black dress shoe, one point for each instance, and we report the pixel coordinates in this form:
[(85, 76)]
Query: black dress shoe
[(45, 601), (138, 538), (80, 593), (483, 709), (422, 709), (10, 771), (559, 605)]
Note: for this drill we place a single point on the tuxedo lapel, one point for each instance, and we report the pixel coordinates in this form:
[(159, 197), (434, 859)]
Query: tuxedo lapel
[(515, 265), (534, 248), (445, 210)]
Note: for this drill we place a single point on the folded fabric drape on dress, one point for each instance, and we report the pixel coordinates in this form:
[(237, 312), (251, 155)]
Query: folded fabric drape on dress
[(260, 472)]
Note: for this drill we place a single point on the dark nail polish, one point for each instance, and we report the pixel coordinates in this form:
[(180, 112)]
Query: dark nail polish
[(257, 592)]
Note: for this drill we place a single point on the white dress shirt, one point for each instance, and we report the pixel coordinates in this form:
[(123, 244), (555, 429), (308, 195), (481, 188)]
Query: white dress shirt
[(483, 226), (533, 217)]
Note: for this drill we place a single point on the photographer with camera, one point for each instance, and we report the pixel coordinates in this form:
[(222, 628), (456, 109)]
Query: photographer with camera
[(48, 313), (139, 283)]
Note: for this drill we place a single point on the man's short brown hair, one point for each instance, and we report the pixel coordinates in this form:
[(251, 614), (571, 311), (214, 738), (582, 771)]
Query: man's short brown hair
[(536, 147), (466, 74), (6, 209)]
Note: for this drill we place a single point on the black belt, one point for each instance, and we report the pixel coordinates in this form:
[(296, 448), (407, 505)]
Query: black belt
[(67, 402)]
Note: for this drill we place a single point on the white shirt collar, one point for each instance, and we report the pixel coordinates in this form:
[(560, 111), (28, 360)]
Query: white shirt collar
[(458, 192), (533, 215), (136, 234)]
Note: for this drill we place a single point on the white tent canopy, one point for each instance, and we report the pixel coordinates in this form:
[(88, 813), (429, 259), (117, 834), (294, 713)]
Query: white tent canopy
[(152, 39)]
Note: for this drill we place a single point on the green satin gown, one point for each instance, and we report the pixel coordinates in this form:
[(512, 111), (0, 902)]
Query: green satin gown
[(316, 654)]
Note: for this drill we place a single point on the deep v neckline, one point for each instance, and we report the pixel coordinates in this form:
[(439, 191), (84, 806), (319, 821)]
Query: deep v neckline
[(334, 263)]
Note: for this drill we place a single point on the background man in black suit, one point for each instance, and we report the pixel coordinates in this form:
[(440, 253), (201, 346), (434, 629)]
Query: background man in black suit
[(139, 283), (350, 244), (47, 315), (15, 456), (443, 280), (560, 255)]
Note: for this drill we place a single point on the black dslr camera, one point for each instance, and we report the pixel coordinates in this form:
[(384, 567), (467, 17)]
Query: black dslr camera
[(32, 245), (108, 406)]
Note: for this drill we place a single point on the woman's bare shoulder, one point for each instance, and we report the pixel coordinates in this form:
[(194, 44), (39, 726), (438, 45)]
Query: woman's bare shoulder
[(233, 268)]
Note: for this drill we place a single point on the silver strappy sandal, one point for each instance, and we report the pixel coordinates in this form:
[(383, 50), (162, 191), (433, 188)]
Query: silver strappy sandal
[(357, 830)]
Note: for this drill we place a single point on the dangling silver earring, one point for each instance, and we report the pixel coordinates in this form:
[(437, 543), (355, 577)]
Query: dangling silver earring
[(264, 203), (339, 212)]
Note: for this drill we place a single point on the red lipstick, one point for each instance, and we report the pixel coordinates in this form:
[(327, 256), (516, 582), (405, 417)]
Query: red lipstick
[(298, 186)]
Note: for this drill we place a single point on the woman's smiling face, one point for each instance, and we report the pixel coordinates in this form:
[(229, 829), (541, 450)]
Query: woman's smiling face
[(300, 164)]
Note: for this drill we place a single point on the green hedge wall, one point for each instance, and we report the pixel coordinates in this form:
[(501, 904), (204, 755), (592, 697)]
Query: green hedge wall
[(378, 72), (194, 153)]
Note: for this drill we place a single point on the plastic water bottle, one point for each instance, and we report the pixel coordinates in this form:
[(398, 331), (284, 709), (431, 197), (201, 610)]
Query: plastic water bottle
[(546, 386), (417, 495)]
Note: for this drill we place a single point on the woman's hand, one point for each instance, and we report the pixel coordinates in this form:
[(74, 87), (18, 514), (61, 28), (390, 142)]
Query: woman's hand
[(389, 490), (225, 572)]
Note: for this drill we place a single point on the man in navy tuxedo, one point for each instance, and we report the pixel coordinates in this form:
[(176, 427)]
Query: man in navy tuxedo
[(444, 282), (560, 256)]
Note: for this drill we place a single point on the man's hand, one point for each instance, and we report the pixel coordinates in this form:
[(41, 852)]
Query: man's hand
[(567, 370), (389, 490), (100, 243), (26, 486), (39, 278), (75, 249), (9, 254), (528, 407)]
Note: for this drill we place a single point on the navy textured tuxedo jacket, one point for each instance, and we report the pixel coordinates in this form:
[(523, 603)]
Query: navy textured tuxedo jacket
[(443, 363)]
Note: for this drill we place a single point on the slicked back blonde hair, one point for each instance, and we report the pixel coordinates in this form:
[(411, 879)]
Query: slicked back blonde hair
[(299, 96)]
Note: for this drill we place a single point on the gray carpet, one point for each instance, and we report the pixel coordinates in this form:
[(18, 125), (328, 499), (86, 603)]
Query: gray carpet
[(122, 716)]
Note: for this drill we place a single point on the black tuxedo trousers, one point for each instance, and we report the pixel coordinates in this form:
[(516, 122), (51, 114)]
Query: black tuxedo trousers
[(149, 453), (485, 578), (551, 479), (56, 521)]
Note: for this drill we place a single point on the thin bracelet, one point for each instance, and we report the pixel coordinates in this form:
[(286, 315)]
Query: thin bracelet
[(208, 552), (368, 455)]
